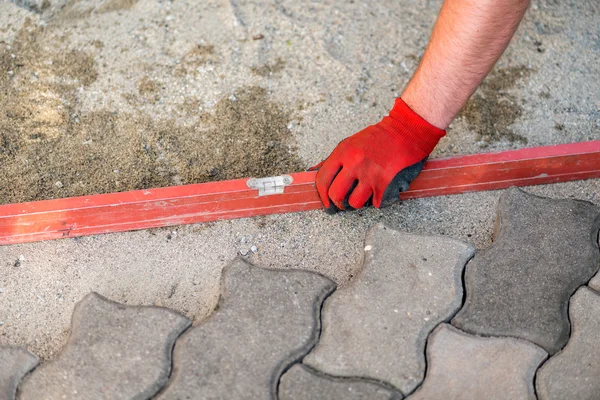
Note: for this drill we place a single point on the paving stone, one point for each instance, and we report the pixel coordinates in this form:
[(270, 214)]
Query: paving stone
[(300, 383), (463, 367), (376, 327), (520, 286), (574, 372), (113, 352), (15, 363), (265, 321), (595, 282)]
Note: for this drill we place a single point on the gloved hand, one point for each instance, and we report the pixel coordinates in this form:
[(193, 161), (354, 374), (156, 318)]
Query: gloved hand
[(376, 164)]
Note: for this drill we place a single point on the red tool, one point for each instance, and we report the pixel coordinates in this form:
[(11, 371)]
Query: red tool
[(151, 208)]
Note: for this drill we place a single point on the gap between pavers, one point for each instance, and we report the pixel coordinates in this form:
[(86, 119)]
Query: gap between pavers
[(334, 384), (15, 363), (467, 367), (376, 326), (595, 281), (303, 383), (266, 321), (520, 286), (573, 373), (114, 351)]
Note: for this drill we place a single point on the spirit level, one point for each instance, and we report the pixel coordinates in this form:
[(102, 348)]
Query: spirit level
[(213, 201)]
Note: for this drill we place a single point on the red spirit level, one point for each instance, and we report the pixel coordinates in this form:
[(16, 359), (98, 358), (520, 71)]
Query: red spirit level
[(151, 208)]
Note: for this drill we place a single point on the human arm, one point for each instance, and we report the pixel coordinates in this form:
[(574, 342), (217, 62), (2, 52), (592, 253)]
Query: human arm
[(467, 40), (377, 163)]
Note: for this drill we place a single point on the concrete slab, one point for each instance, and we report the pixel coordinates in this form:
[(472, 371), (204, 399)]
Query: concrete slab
[(520, 286), (15, 363), (114, 351), (301, 383), (376, 327), (463, 367), (595, 282), (265, 321), (573, 372)]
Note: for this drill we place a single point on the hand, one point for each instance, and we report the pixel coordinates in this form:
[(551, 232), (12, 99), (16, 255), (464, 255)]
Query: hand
[(376, 164)]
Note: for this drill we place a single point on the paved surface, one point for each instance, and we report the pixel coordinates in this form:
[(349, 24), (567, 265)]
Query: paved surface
[(462, 366), (573, 373), (265, 321), (265, 338), (545, 249), (343, 65), (383, 337), (15, 363), (301, 383), (595, 282), (114, 352)]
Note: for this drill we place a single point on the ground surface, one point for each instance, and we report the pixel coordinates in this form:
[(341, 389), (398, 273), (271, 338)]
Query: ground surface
[(108, 95), (425, 317)]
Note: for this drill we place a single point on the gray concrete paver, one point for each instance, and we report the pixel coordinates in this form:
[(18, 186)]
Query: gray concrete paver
[(376, 327), (113, 352), (15, 363), (520, 286), (595, 282), (265, 321), (379, 52), (464, 367), (574, 373), (300, 383)]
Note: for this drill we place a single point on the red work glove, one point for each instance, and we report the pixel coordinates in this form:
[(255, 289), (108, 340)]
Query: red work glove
[(376, 164)]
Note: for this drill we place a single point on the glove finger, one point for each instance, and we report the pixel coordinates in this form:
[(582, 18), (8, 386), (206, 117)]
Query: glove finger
[(360, 196), (346, 203), (316, 167), (341, 188), (378, 196), (325, 177)]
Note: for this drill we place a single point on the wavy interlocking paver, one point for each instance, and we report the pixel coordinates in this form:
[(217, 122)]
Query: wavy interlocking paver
[(462, 367), (113, 352), (265, 321), (377, 326), (15, 363), (299, 383), (520, 286), (595, 282), (574, 372)]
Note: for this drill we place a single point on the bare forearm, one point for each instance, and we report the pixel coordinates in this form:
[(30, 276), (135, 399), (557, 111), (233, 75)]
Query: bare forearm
[(467, 40)]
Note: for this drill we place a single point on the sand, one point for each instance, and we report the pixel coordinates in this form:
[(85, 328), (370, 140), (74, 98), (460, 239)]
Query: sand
[(173, 92)]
